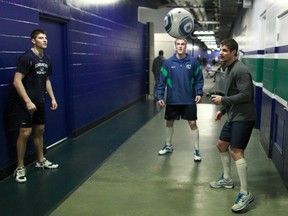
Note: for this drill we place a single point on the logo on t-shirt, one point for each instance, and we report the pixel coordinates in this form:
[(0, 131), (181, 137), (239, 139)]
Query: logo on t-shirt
[(41, 68), (188, 66)]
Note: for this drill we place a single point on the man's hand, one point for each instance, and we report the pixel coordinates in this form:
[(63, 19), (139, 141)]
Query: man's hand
[(161, 102), (54, 105), (198, 99), (217, 99), (218, 116), (31, 106)]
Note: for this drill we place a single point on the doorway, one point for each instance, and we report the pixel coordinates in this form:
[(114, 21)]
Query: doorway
[(57, 123)]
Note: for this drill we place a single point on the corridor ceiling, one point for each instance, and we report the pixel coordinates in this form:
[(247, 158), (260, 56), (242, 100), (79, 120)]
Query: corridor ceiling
[(209, 15)]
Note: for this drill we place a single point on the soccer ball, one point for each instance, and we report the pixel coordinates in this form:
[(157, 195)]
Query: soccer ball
[(179, 23)]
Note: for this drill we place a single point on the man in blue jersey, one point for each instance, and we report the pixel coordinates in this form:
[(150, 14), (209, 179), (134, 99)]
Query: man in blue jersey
[(181, 77), (31, 81), (238, 104)]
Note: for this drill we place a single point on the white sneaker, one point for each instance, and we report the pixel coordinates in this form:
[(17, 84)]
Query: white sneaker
[(20, 175), (197, 156), (222, 183), (46, 164), (242, 202), (166, 149)]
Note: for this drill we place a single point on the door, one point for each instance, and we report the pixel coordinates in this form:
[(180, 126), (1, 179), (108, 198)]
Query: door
[(285, 162), (57, 124), (279, 138)]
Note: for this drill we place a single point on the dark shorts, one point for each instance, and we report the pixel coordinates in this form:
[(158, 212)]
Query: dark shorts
[(175, 112), (237, 133), (28, 119)]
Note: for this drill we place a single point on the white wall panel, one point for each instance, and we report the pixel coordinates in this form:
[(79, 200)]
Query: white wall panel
[(282, 28), (252, 32)]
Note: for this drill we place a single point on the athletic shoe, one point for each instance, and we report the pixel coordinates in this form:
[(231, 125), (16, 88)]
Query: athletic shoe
[(197, 156), (242, 202), (222, 183), (20, 175), (46, 164), (166, 149)]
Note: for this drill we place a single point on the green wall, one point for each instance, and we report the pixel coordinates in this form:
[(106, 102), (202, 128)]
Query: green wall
[(282, 79), (255, 66), (273, 73)]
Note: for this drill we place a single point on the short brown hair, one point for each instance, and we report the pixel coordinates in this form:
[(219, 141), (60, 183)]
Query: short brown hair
[(231, 44), (36, 32)]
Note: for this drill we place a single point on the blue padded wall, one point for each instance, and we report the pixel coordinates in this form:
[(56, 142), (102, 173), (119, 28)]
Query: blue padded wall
[(105, 59), (107, 64)]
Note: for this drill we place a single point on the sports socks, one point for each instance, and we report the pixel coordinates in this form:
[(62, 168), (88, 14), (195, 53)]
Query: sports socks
[(195, 137), (169, 134), (241, 166), (226, 163)]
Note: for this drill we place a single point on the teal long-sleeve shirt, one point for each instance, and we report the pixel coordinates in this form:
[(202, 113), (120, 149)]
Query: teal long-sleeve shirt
[(182, 79)]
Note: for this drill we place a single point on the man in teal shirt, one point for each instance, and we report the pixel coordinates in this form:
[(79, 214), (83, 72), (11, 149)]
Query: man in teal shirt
[(181, 77)]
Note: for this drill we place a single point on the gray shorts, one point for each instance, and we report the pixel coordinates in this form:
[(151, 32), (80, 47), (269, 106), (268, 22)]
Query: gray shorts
[(237, 133)]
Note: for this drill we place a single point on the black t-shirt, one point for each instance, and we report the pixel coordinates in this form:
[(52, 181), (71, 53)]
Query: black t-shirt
[(36, 71)]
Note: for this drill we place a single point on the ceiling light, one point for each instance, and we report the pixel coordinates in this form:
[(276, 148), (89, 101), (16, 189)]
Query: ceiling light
[(203, 32), (213, 47), (90, 2), (206, 38)]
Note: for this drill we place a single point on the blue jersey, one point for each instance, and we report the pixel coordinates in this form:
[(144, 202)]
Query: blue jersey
[(182, 79)]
